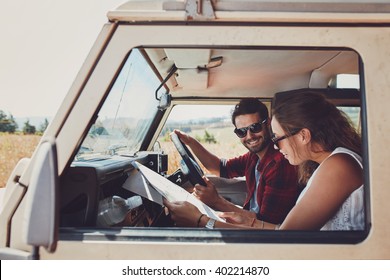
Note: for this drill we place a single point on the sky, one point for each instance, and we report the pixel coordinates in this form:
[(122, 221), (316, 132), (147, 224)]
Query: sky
[(43, 44)]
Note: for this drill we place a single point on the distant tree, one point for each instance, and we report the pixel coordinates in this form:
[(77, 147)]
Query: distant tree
[(3, 116), (98, 129), (208, 137), (13, 126), (43, 126), (28, 128), (7, 124), (186, 129)]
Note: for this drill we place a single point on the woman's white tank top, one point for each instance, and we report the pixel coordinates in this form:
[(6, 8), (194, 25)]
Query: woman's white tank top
[(350, 216)]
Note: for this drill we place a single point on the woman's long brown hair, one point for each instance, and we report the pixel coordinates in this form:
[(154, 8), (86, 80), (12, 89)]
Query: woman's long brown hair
[(329, 126)]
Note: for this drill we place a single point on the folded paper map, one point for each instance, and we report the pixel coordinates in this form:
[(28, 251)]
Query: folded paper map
[(151, 185)]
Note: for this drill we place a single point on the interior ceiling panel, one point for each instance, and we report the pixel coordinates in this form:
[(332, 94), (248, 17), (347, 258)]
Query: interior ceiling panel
[(253, 72)]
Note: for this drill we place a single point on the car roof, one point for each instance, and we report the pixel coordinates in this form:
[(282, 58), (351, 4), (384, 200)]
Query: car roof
[(253, 10), (205, 72)]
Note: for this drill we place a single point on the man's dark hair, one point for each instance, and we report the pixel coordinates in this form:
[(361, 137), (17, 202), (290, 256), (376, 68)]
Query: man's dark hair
[(249, 106)]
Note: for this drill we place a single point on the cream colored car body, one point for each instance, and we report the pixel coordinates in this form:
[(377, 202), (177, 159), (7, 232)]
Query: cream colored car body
[(364, 28)]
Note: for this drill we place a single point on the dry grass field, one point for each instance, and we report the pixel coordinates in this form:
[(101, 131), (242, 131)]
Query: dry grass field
[(13, 147)]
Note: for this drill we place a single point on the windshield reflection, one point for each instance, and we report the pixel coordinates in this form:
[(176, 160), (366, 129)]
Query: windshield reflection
[(126, 114)]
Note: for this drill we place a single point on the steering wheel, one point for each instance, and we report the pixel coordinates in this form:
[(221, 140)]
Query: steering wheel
[(195, 172)]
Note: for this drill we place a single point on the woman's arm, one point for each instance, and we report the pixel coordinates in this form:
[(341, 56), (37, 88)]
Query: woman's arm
[(336, 179), (187, 215)]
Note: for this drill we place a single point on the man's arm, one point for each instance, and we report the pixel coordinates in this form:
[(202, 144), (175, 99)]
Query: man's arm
[(209, 160)]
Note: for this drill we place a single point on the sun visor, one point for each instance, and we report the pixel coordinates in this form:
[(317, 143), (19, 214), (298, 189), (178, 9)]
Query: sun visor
[(192, 79), (188, 58)]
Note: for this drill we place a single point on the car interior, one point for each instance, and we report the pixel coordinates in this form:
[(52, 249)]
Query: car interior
[(191, 76)]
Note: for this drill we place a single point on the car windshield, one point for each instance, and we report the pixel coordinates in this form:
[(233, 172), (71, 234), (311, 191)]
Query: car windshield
[(126, 114)]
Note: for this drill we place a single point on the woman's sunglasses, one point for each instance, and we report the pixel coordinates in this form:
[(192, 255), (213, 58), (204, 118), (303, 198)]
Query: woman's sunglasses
[(253, 128), (276, 140)]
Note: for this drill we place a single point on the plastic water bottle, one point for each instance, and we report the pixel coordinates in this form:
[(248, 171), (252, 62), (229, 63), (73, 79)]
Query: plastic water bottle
[(113, 210)]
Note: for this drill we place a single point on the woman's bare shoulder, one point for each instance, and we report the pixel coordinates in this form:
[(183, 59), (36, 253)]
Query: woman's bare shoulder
[(343, 160), (342, 166)]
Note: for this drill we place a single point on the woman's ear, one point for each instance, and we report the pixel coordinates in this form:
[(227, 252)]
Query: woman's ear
[(305, 135)]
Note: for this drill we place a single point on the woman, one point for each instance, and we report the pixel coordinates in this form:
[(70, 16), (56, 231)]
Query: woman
[(312, 133)]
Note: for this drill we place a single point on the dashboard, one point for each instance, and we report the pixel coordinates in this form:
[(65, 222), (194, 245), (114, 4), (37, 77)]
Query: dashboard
[(84, 184)]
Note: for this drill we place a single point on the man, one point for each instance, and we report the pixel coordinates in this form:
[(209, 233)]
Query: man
[(272, 184)]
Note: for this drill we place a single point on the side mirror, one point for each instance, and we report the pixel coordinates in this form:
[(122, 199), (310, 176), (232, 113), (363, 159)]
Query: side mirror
[(40, 223)]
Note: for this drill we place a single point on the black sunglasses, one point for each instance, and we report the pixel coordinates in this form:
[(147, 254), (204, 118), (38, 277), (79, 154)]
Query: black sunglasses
[(253, 128), (276, 140)]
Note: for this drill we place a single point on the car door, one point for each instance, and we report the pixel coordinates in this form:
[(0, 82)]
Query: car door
[(40, 218)]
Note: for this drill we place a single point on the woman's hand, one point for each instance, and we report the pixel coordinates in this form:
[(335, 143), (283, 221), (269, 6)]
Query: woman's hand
[(183, 213), (238, 218)]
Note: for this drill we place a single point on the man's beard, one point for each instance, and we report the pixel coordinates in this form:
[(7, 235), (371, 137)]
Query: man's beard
[(261, 146)]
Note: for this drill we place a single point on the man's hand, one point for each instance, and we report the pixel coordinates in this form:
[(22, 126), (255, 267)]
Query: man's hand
[(209, 160), (208, 194), (183, 213), (184, 137)]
